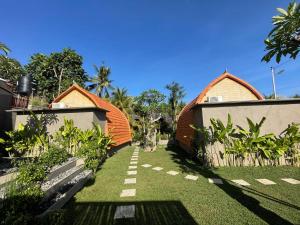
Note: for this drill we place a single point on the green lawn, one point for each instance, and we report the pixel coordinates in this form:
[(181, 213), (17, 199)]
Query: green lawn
[(165, 199)]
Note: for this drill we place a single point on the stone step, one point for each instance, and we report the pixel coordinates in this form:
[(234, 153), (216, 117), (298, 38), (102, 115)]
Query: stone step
[(51, 186)]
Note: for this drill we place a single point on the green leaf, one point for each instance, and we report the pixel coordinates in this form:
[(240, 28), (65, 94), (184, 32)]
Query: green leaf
[(282, 11)]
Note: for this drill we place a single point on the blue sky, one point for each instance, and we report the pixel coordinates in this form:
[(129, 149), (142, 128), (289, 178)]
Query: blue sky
[(150, 43)]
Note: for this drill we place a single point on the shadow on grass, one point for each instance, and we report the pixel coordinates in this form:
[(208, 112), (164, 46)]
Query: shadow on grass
[(189, 165), (102, 213)]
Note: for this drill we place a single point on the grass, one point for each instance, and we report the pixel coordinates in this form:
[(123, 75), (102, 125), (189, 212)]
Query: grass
[(166, 199)]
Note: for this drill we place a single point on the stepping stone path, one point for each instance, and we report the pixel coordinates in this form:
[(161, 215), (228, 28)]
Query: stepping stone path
[(132, 167), (124, 211), (130, 181), (132, 172), (215, 181), (157, 168), (191, 177), (241, 182), (265, 181), (128, 193), (146, 165), (128, 211), (173, 173), (291, 180)]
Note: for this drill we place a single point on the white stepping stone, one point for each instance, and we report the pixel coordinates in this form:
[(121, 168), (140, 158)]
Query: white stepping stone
[(265, 181), (130, 181), (173, 173), (128, 193), (157, 168), (132, 172), (134, 159), (135, 154), (191, 177), (146, 165), (132, 167), (215, 181), (124, 211), (133, 162), (291, 180), (241, 182)]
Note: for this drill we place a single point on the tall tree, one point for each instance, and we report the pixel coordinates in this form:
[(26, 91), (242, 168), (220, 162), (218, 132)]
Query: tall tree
[(10, 69), (101, 82), (4, 48), (54, 73), (148, 109), (284, 39), (121, 100), (175, 101)]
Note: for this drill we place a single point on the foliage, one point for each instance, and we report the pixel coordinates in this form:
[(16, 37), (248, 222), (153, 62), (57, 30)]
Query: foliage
[(54, 156), (10, 69), (4, 48), (242, 142), (148, 111), (284, 39), (36, 101), (175, 101), (101, 82), (68, 136), (31, 172), (56, 72), (95, 150)]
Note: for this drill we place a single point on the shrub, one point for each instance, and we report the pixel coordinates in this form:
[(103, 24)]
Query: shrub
[(31, 172), (92, 154), (54, 156)]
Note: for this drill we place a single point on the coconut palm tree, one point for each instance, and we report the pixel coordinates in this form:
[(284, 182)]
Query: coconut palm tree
[(101, 82), (175, 100), (121, 100), (4, 48)]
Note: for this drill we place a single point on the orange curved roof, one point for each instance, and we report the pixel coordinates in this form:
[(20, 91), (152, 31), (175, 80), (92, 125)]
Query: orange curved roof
[(184, 132), (117, 123)]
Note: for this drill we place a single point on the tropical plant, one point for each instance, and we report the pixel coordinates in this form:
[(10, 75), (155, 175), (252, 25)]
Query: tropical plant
[(241, 143), (101, 82), (284, 39), (121, 100), (175, 100), (4, 48), (95, 150), (68, 136)]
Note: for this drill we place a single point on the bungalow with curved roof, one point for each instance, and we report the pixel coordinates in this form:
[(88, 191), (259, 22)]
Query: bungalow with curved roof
[(117, 125), (224, 88)]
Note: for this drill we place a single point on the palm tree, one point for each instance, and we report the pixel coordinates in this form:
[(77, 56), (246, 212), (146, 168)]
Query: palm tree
[(175, 100), (121, 100), (4, 48), (101, 82)]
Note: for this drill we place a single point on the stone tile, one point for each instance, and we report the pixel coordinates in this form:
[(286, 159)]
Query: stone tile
[(173, 173), (135, 154), (157, 168), (124, 211), (130, 181), (215, 181), (146, 165), (241, 182), (191, 177), (132, 172), (291, 180), (132, 167), (265, 181), (133, 162), (134, 159), (128, 193)]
